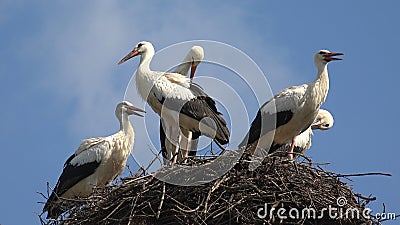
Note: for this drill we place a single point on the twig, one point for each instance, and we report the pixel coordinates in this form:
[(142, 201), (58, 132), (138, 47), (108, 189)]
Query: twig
[(362, 174), (365, 197), (161, 202)]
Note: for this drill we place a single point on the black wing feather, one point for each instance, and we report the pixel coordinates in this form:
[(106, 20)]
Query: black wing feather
[(70, 176), (264, 123), (199, 108)]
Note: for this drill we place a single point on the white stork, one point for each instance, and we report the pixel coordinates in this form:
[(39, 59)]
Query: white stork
[(97, 162), (179, 102), (190, 140), (291, 111), (323, 121)]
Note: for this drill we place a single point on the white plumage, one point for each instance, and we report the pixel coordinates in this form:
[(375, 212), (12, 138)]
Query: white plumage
[(323, 121), (178, 102), (97, 162), (291, 111)]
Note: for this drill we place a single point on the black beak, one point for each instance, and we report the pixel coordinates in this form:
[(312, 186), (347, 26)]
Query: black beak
[(132, 110)]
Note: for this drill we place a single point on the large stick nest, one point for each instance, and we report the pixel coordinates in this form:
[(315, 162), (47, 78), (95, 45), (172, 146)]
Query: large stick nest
[(234, 198)]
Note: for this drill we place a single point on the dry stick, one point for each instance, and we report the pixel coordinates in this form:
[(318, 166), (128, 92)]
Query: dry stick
[(162, 201), (138, 178), (177, 202), (230, 207), (365, 197), (132, 212), (207, 199), (188, 211), (361, 174), (114, 210), (152, 161), (212, 189), (221, 147)]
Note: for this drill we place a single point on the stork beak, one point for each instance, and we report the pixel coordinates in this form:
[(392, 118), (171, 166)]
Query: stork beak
[(330, 56), (319, 126), (192, 71), (316, 126), (130, 55), (132, 111)]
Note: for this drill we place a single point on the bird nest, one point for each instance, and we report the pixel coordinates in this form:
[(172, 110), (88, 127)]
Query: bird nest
[(278, 191)]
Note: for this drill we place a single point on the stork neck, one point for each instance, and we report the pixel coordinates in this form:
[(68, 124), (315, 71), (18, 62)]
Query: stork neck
[(145, 60), (183, 68), (318, 89), (125, 124)]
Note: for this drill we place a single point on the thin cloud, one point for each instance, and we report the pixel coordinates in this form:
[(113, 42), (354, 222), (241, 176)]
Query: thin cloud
[(84, 49)]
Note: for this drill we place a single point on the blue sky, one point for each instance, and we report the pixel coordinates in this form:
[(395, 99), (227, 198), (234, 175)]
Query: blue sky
[(60, 81)]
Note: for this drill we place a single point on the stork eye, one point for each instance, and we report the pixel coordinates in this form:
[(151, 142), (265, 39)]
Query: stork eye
[(326, 125), (140, 45), (321, 52)]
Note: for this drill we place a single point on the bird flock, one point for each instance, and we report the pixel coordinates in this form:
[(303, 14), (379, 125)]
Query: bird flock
[(285, 123)]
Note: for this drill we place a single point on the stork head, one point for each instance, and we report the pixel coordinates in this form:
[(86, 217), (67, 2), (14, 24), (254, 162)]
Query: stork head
[(143, 47), (195, 55), (322, 57), (323, 121), (128, 108)]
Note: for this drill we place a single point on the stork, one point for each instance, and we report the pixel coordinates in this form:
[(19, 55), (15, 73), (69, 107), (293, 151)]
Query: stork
[(323, 121), (291, 111), (180, 103), (97, 162), (190, 140)]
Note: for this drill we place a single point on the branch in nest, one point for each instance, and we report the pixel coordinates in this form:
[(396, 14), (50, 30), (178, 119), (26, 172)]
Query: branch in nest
[(363, 174)]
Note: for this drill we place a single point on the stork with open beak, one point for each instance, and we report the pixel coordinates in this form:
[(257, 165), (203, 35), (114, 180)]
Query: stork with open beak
[(291, 111), (97, 162)]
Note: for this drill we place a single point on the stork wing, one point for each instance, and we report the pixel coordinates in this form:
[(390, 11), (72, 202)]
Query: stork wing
[(89, 143), (200, 107), (77, 167), (191, 100), (301, 144), (275, 112), (177, 78)]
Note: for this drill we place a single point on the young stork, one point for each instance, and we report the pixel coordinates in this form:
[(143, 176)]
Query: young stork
[(97, 162), (190, 140), (291, 111), (323, 121), (180, 103)]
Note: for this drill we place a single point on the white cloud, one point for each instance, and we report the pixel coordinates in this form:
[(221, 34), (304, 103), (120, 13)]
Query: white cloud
[(84, 46)]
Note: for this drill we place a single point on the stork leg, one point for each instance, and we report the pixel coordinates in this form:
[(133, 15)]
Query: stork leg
[(173, 141), (188, 143), (177, 147), (171, 152), (291, 150)]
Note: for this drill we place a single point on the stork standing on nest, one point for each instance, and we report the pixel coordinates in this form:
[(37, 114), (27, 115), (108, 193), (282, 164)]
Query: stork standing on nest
[(189, 139), (291, 111), (179, 102), (97, 162), (323, 121)]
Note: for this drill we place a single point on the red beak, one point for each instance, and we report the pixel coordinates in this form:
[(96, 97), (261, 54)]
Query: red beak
[(192, 71), (130, 55), (330, 56)]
